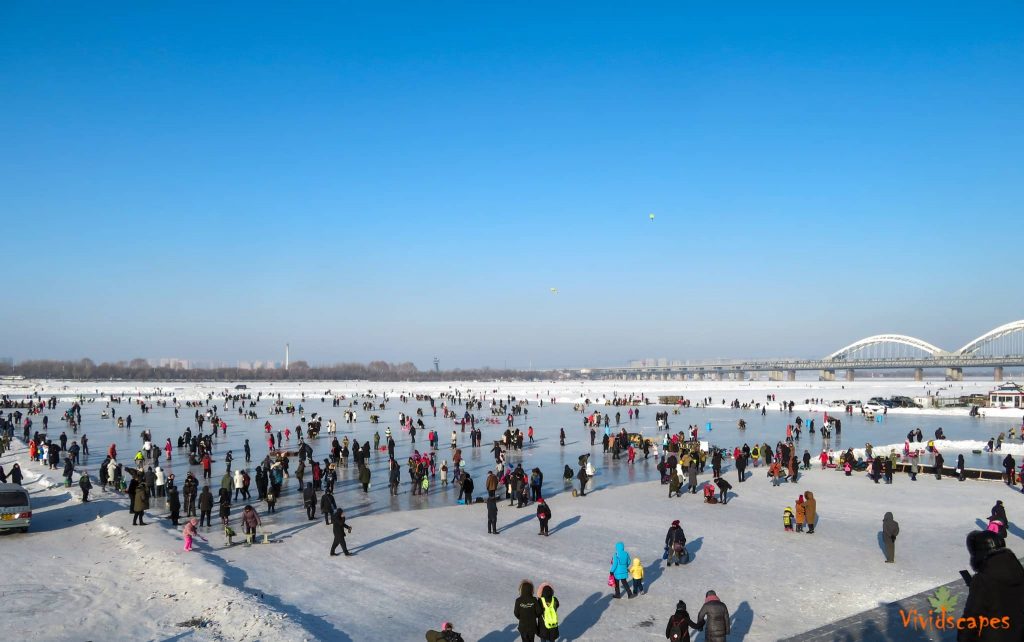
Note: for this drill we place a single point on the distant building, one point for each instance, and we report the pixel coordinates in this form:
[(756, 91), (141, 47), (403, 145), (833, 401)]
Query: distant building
[(1008, 395), (244, 365), (663, 362), (174, 364)]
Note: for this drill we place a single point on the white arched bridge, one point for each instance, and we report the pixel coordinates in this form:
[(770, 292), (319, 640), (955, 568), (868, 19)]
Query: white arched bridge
[(996, 349)]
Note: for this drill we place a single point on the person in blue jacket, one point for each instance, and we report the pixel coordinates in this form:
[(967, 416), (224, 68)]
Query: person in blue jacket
[(620, 570)]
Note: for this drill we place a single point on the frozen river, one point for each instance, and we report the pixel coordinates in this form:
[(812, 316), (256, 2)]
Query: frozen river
[(545, 453)]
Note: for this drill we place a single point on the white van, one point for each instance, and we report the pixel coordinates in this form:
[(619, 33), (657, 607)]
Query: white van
[(15, 508)]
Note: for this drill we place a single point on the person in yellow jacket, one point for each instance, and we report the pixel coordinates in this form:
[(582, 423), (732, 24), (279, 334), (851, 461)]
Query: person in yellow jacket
[(755, 454), (636, 571)]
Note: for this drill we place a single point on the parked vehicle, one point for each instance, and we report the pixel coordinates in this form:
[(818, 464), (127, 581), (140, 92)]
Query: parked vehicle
[(904, 402), (15, 508)]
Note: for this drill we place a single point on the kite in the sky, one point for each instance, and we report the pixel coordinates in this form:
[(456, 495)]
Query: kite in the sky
[(554, 290), (652, 218)]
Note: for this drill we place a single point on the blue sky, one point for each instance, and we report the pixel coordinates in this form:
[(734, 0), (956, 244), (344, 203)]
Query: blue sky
[(408, 180)]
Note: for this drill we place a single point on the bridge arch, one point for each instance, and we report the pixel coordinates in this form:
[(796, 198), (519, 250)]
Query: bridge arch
[(886, 339), (991, 337)]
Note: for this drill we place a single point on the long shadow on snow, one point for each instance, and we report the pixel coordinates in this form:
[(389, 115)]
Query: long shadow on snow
[(742, 620), (881, 543), (507, 634), (565, 524), (521, 520), (52, 500), (576, 624), (652, 573), (382, 540), (315, 624), (693, 547), (287, 533), (72, 515)]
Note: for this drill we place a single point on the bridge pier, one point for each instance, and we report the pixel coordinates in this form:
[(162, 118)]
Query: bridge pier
[(791, 375), (918, 374), (954, 374), (827, 375), (997, 373), (740, 375), (776, 375), (849, 374)]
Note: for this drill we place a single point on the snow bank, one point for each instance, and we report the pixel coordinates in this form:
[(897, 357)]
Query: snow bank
[(965, 445)]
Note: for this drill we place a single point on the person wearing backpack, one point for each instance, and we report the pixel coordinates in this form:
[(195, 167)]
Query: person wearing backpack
[(679, 625), (548, 604), (527, 611)]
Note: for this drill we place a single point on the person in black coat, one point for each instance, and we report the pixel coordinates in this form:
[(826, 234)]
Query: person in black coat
[(723, 490), (996, 590), (543, 516), (224, 501), (1010, 466), (328, 506), (527, 610), (675, 544), (678, 626), (69, 470), (999, 513), (939, 461), (309, 500), (741, 465), (15, 474), (713, 618), (492, 515), (547, 597), (174, 504), (340, 529), (583, 477), (446, 634), (261, 482), (876, 469), (890, 529), (467, 488), (205, 506), (85, 484)]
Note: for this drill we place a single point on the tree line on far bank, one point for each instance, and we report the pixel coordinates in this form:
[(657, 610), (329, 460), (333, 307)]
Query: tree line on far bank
[(142, 370)]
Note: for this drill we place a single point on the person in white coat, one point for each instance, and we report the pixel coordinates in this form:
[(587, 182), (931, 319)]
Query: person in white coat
[(161, 482), (239, 483)]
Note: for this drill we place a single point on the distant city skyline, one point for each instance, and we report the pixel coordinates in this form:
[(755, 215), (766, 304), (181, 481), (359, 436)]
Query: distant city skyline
[(477, 182)]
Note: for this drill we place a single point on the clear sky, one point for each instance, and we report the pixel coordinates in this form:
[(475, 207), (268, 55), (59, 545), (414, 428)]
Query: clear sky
[(400, 181)]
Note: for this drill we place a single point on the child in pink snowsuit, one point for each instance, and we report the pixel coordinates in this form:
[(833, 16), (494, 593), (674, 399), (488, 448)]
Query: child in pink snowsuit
[(190, 531)]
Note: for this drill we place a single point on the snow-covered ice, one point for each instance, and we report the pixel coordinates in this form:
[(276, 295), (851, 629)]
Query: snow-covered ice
[(414, 569)]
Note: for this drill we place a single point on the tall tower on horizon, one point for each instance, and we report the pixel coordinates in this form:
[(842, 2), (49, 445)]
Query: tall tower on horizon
[(286, 346)]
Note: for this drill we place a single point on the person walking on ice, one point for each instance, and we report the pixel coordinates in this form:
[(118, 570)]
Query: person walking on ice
[(619, 571), (890, 529), (340, 530), (713, 618)]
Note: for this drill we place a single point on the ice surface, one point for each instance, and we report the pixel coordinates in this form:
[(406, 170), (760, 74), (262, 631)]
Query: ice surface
[(415, 568)]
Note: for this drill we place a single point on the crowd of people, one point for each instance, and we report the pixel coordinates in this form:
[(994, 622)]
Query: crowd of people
[(681, 460)]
